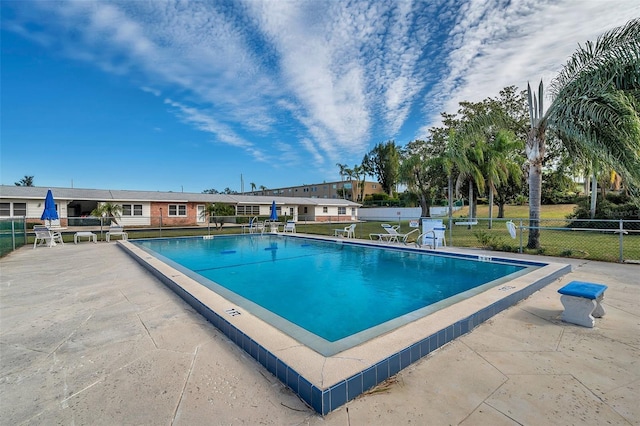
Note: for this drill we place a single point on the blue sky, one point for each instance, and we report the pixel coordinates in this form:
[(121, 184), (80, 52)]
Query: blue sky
[(186, 96)]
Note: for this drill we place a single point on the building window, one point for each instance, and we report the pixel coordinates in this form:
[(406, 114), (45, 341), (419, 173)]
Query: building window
[(132, 209), (342, 210), (325, 210), (19, 209), (177, 209), (248, 210), (306, 210)]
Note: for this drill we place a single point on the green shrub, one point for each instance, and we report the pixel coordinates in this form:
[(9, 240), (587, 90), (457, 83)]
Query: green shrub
[(488, 240), (607, 209)]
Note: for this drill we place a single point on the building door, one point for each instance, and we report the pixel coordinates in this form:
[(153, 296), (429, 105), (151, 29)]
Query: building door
[(200, 218)]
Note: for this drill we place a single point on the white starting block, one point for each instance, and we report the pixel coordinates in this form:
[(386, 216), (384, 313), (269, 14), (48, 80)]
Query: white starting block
[(582, 302)]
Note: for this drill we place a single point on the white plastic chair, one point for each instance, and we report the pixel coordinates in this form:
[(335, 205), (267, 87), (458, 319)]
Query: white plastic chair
[(46, 237), (290, 226), (115, 231), (347, 232)]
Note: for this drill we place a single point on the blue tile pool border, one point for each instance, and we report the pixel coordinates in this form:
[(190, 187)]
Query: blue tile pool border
[(323, 401)]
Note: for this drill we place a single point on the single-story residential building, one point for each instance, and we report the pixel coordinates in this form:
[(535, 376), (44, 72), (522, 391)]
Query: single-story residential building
[(155, 208)]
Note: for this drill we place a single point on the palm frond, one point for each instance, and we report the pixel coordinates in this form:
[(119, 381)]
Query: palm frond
[(611, 51), (596, 107)]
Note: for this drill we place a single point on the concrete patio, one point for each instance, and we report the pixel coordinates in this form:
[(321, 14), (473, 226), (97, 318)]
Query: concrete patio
[(87, 336)]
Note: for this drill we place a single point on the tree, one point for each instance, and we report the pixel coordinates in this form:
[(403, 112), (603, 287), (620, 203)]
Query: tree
[(217, 213), (384, 162), (210, 191), (365, 170), (595, 112), (596, 102), (350, 173), (499, 164), (25, 181), (511, 190), (343, 168), (207, 213), (417, 171), (253, 187), (108, 210), (469, 166)]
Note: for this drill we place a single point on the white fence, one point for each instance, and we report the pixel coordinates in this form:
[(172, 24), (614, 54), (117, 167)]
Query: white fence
[(399, 213)]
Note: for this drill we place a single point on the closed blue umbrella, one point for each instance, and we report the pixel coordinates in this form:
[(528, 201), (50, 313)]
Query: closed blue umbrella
[(274, 213), (50, 213)]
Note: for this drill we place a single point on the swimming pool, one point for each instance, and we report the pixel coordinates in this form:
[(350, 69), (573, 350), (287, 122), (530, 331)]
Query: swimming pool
[(349, 365), (329, 296)]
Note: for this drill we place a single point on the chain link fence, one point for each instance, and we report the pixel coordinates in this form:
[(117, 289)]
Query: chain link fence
[(604, 240), (13, 234)]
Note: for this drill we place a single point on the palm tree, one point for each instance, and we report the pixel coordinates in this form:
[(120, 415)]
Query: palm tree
[(343, 168), (206, 214), (365, 169), (499, 164), (108, 210), (595, 112), (469, 166), (350, 173), (253, 187), (357, 172), (596, 105), (535, 149)]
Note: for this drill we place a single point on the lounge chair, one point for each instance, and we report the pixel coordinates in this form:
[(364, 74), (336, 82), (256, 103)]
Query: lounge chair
[(290, 226), (116, 230), (347, 232), (392, 235), (46, 237)]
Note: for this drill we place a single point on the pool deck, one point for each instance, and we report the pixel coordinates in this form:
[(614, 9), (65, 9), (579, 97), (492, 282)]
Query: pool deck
[(88, 336)]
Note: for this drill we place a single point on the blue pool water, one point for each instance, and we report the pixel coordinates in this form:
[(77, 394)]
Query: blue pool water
[(328, 289)]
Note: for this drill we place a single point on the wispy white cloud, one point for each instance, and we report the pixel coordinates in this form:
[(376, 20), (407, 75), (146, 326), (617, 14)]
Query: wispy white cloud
[(154, 92), (322, 79), (496, 44), (205, 122)]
